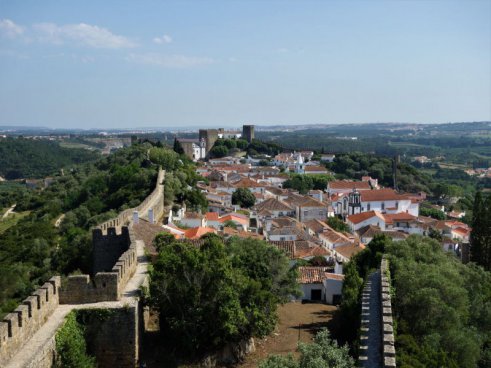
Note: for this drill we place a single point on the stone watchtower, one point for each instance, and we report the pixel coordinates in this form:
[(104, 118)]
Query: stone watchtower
[(248, 132), (209, 136)]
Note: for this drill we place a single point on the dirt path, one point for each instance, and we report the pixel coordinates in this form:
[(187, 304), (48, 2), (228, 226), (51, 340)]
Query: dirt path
[(298, 322), (9, 211)]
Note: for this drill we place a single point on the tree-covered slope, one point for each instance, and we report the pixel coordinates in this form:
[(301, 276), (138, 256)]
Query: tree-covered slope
[(34, 249), (29, 158)]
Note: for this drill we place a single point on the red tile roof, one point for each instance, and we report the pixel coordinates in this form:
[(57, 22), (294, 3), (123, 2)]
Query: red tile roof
[(212, 216), (346, 184), (334, 276), (316, 275), (381, 195), (242, 219), (360, 217), (402, 216), (198, 232), (461, 230), (315, 168), (349, 250)]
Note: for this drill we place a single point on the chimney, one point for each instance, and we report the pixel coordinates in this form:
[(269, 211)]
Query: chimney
[(136, 219), (150, 216)]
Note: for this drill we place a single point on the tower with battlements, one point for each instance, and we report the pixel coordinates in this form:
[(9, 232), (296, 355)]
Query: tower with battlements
[(248, 132)]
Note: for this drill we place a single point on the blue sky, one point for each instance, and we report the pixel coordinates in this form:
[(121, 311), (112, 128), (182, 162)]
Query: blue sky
[(122, 64)]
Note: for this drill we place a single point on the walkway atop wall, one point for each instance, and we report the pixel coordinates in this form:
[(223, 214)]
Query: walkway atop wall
[(371, 323), (41, 338)]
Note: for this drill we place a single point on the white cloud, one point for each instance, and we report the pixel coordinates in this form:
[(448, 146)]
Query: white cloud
[(164, 39), (84, 34), (169, 61), (10, 29)]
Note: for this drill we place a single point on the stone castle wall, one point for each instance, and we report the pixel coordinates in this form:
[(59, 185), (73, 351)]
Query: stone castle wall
[(20, 325), (104, 286), (384, 323), (114, 340), (388, 340), (114, 254), (154, 200), (114, 264)]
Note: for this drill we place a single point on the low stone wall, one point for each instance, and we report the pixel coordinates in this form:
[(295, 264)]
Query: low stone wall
[(20, 325), (103, 286), (388, 340)]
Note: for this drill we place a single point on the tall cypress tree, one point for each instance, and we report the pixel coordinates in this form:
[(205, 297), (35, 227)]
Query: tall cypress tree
[(177, 147), (486, 232), (481, 231)]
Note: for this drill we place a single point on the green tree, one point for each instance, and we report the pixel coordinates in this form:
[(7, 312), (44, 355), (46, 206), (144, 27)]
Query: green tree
[(242, 144), (243, 197), (337, 224), (219, 151), (177, 147), (480, 238), (322, 352), (214, 294), (196, 294), (165, 157), (71, 347)]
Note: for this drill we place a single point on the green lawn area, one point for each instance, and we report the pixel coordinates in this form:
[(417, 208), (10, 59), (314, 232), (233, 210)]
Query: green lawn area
[(11, 220)]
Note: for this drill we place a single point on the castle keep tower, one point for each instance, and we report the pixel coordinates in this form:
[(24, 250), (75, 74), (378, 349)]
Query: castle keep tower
[(209, 136), (248, 132)]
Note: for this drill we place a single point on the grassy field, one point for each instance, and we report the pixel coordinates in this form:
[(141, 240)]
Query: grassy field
[(77, 145), (11, 220)]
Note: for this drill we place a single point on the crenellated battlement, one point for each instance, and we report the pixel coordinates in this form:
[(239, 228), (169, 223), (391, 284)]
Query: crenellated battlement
[(115, 262), (20, 325), (107, 284)]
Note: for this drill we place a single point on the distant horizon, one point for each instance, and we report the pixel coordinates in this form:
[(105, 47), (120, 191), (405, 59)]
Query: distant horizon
[(215, 126)]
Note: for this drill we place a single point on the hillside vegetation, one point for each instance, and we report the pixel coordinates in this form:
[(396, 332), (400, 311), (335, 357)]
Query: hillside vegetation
[(33, 249), (29, 158)]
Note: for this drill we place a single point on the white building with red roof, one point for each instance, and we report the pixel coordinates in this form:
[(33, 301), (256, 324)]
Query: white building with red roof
[(317, 284), (402, 221)]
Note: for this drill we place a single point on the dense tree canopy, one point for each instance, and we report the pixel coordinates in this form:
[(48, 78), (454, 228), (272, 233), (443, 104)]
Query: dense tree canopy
[(29, 158), (441, 306), (243, 197), (481, 231), (210, 295), (305, 182)]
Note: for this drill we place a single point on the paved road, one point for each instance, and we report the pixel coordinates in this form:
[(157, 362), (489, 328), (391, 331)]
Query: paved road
[(47, 331), (375, 320)]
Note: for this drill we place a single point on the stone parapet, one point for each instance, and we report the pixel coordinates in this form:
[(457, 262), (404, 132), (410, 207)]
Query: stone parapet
[(20, 325), (388, 339), (103, 286), (154, 200)]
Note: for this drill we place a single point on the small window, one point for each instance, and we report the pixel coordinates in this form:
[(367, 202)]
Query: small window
[(368, 207), (383, 205)]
